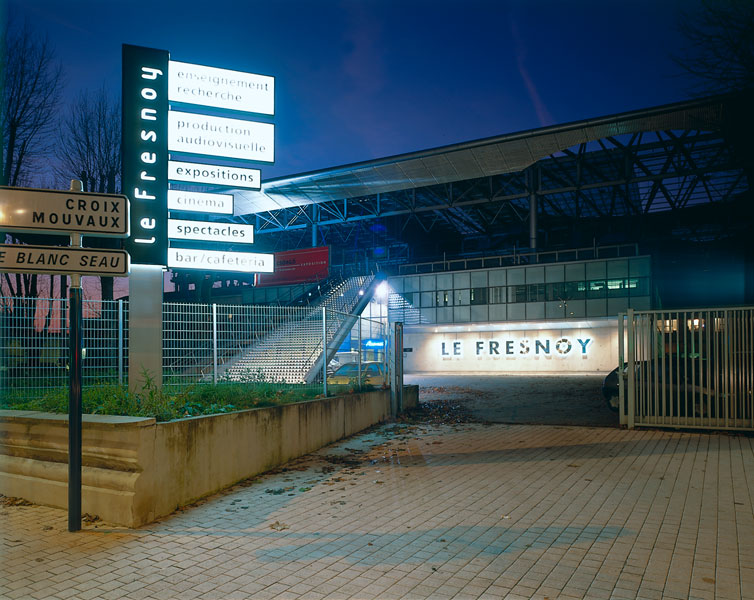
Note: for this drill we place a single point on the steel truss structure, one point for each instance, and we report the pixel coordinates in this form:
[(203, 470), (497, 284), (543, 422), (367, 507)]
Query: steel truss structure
[(623, 170)]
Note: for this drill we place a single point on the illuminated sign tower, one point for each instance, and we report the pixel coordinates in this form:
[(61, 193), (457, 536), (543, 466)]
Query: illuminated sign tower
[(166, 131)]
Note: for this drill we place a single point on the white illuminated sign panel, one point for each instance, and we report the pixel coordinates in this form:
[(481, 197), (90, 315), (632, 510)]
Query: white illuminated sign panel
[(214, 260), (218, 204), (45, 211), (517, 348), (214, 174), (220, 136), (211, 232), (221, 88), (63, 260)]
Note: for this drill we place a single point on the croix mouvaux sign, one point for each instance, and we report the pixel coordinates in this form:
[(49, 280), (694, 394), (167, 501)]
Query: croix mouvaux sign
[(50, 211)]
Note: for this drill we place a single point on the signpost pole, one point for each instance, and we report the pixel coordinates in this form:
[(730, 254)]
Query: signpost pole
[(74, 392)]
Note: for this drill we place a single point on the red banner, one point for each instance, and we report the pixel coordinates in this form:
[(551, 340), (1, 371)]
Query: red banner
[(298, 266)]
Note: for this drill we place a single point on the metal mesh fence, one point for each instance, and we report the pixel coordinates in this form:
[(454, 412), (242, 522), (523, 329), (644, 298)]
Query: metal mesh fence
[(34, 345), (202, 344), (260, 344)]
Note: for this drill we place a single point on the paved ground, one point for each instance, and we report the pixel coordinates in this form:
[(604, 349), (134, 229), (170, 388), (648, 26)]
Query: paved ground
[(430, 511), (533, 399)]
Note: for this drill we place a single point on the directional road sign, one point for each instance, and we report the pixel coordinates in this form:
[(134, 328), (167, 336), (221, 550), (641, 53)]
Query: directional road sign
[(63, 260), (47, 211)]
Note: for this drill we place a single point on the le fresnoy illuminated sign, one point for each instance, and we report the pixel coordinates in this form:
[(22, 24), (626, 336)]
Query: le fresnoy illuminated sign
[(215, 260), (45, 211), (219, 204), (220, 136), (63, 260), (517, 348), (144, 151), (233, 233), (214, 174), (221, 88)]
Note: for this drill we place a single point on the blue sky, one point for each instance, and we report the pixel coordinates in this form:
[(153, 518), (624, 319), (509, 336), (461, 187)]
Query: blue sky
[(364, 79)]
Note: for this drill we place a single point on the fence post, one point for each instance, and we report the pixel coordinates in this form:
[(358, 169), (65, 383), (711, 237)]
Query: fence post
[(120, 341), (396, 385), (621, 359), (324, 351), (360, 321), (214, 344), (631, 371)]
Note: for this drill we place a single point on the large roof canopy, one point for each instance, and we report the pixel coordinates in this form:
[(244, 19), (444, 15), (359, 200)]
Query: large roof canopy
[(487, 157)]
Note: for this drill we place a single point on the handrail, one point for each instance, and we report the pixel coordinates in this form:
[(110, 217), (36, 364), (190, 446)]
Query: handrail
[(516, 259)]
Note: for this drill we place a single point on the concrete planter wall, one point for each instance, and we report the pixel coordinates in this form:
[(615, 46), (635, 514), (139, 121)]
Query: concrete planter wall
[(137, 470)]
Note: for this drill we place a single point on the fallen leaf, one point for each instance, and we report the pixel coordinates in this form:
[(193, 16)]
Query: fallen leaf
[(278, 526)]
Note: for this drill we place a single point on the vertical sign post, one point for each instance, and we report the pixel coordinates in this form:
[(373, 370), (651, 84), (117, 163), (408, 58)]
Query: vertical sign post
[(75, 410), (74, 404), (145, 180)]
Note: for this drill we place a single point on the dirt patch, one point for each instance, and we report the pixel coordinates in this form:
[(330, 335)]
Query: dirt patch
[(524, 399)]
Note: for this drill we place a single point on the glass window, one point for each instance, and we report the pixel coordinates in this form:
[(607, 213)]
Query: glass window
[(444, 298), (373, 370), (350, 370), (535, 292), (479, 296), (517, 293), (597, 288), (617, 288), (555, 291), (497, 295), (575, 290), (638, 286)]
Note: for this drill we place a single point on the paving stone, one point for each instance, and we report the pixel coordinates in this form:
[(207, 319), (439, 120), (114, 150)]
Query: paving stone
[(465, 511)]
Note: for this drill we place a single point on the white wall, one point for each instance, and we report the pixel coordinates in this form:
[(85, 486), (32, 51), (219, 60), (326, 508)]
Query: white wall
[(564, 347)]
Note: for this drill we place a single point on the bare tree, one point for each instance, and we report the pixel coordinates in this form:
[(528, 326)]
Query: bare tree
[(32, 79), (89, 149), (89, 143), (720, 51)]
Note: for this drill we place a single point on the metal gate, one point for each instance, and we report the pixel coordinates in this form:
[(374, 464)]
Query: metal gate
[(692, 368)]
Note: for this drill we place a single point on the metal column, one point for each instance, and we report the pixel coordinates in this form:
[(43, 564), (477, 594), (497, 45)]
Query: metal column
[(532, 209)]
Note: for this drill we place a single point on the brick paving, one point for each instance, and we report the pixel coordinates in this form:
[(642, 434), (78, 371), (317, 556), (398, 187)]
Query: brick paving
[(429, 511)]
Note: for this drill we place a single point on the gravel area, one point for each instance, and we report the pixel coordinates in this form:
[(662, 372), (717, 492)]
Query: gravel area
[(530, 399)]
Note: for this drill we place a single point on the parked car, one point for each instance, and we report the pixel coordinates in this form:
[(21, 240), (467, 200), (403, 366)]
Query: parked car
[(610, 388), (689, 387), (372, 373)]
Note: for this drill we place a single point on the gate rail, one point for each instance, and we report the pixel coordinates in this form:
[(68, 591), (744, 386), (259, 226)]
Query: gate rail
[(687, 368)]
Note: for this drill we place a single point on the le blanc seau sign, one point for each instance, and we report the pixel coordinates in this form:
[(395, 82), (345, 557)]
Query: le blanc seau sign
[(63, 260), (160, 116)]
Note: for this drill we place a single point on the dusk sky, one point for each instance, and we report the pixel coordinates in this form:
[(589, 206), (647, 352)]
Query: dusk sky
[(364, 79)]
